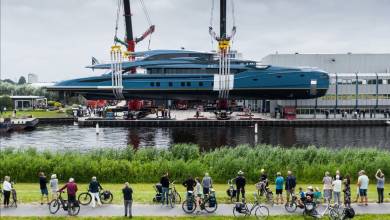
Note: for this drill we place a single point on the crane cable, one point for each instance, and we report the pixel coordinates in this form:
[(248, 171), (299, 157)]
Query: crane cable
[(146, 12), (118, 11)]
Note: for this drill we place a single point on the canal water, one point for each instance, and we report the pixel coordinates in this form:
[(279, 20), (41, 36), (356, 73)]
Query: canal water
[(70, 137)]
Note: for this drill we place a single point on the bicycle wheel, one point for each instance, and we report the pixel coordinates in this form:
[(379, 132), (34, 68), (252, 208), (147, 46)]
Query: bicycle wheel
[(84, 198), (290, 207), (74, 209), (177, 197), (54, 206), (189, 206), (261, 212), (106, 199), (210, 207)]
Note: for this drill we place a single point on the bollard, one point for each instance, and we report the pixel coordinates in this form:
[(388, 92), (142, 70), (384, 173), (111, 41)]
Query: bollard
[(256, 126), (97, 128)]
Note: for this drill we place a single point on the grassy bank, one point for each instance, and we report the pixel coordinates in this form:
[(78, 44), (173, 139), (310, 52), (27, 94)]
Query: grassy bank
[(148, 164), (144, 192), (37, 114), (358, 217)]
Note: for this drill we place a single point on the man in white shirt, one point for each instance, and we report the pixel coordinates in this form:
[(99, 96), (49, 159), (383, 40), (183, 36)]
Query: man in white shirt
[(363, 186), (7, 187), (337, 190)]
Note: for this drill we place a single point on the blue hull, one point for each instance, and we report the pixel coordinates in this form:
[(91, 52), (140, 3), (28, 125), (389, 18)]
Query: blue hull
[(268, 83)]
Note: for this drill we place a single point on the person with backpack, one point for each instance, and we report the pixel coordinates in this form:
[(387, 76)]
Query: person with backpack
[(93, 189), (207, 183), (128, 199), (240, 185), (164, 181), (71, 190), (290, 185), (43, 187), (189, 184)]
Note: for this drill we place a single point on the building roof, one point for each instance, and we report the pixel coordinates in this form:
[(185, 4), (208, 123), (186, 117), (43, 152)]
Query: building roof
[(334, 63)]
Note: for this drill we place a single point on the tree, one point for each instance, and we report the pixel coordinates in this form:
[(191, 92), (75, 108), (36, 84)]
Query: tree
[(22, 80), (9, 81), (6, 101)]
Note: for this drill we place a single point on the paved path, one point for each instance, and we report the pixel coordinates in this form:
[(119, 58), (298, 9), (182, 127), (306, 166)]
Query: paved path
[(158, 210)]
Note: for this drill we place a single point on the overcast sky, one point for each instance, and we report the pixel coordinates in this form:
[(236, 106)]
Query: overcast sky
[(55, 39)]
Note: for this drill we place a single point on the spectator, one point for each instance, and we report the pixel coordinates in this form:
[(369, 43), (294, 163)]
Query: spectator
[(189, 184), (347, 191), (240, 185), (164, 181), (337, 190), (128, 199), (290, 185), (7, 188), (198, 191), (380, 185), (207, 183), (43, 187), (327, 181), (363, 186), (71, 189), (358, 189), (94, 188), (54, 186), (279, 182)]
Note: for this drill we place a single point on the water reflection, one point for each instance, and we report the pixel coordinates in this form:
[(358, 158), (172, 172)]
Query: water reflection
[(59, 138)]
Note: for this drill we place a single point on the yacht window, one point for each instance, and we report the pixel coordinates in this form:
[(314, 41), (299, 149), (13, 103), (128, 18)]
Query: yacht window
[(188, 83), (200, 83), (152, 84), (170, 84), (255, 79), (157, 83), (182, 84)]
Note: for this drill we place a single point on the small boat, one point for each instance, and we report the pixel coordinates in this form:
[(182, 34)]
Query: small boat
[(19, 124)]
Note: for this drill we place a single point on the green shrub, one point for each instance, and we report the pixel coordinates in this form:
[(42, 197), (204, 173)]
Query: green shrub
[(183, 160)]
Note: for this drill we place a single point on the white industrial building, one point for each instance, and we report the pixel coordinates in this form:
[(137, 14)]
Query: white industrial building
[(358, 83)]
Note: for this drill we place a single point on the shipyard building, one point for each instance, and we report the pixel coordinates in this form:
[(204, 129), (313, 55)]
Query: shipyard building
[(359, 83)]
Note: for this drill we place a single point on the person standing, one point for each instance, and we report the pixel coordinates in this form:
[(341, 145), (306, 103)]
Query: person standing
[(291, 183), (380, 185), (54, 186), (7, 188), (128, 199), (71, 189), (198, 191), (43, 187), (164, 181), (337, 190), (207, 183), (279, 182), (240, 185), (347, 191), (327, 181), (363, 186), (94, 188)]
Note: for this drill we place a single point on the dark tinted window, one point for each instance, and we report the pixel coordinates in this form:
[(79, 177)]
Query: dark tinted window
[(200, 83), (152, 84), (157, 83), (188, 83), (182, 84), (170, 84)]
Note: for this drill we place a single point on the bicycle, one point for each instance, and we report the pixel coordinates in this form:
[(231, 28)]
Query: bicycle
[(292, 205), (208, 203), (55, 205), (231, 191), (333, 212), (105, 196), (175, 195), (263, 190), (242, 209)]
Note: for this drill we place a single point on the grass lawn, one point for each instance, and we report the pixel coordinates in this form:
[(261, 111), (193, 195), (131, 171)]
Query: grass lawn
[(296, 217), (37, 114), (144, 193)]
